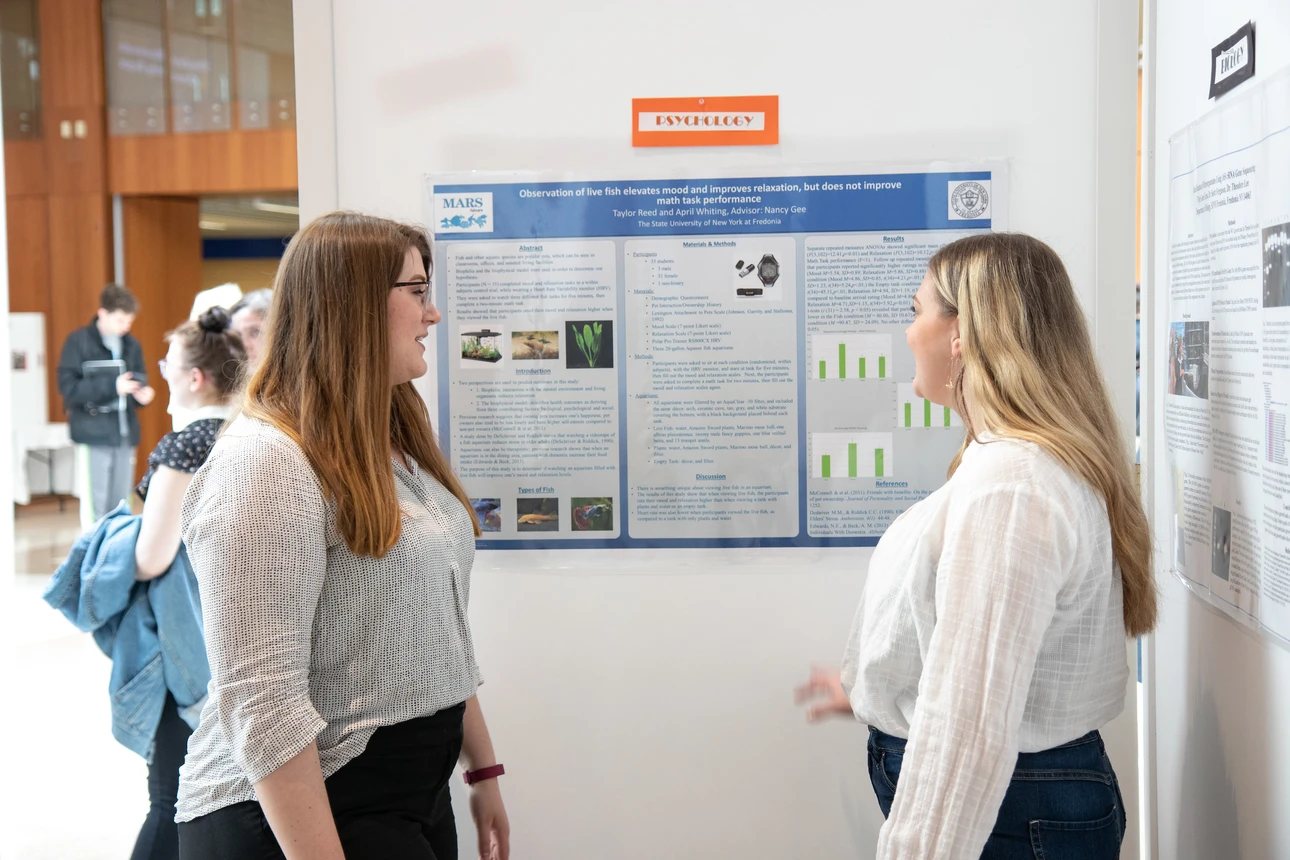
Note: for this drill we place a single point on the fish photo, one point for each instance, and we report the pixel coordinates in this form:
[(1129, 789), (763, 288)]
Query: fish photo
[(535, 345), (488, 512), (594, 514), (537, 515)]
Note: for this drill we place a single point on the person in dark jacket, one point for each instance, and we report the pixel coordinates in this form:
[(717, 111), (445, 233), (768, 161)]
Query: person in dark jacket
[(102, 379)]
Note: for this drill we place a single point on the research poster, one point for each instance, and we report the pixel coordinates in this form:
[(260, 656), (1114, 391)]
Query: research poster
[(712, 360), (1225, 334)]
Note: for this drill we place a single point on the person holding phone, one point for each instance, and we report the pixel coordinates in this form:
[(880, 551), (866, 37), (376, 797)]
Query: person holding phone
[(103, 381)]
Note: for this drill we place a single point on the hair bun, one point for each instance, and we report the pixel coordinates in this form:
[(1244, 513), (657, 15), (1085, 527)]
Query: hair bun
[(216, 320)]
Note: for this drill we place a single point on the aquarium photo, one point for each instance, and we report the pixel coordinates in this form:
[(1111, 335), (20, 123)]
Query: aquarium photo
[(590, 344), (535, 345), (592, 514), (537, 515), (488, 513), (480, 346)]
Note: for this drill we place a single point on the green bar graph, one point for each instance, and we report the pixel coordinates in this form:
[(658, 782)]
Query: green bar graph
[(882, 367), (877, 462), (825, 469), (842, 361), (927, 413), (909, 415), (823, 364), (862, 367), (947, 416), (852, 469)]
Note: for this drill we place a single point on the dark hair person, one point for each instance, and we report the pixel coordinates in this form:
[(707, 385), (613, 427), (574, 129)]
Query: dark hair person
[(333, 546), (989, 646), (201, 370)]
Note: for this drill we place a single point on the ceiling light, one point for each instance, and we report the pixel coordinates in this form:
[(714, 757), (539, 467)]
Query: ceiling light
[(280, 208), (212, 225)]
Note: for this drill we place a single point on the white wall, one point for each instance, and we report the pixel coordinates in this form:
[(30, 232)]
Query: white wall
[(642, 701), (1221, 757)]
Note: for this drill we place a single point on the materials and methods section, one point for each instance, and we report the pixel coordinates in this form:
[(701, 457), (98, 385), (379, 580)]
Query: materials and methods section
[(1224, 330), (693, 362)]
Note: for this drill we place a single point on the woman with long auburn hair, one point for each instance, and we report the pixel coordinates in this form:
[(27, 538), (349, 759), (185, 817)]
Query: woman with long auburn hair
[(989, 646), (333, 546)]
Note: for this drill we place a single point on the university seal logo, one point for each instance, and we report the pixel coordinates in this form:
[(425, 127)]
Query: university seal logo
[(969, 201)]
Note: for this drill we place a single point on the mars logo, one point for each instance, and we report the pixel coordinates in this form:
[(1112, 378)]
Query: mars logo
[(471, 212), (969, 201)]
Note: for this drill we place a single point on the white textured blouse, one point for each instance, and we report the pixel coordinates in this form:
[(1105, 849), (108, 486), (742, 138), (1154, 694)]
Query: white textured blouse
[(991, 624), (306, 640)]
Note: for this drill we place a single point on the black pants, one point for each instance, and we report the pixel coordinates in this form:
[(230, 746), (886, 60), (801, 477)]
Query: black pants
[(158, 838), (389, 803)]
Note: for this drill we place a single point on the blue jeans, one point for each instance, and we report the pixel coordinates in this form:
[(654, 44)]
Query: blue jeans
[(1062, 803)]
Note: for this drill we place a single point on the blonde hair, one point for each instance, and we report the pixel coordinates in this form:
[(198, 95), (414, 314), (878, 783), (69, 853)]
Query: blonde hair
[(324, 378), (1029, 373)]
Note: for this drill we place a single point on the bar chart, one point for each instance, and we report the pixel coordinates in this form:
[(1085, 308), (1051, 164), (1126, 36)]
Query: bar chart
[(851, 455), (914, 411), (850, 356)]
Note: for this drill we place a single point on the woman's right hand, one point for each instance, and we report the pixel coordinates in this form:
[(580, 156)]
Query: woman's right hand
[(824, 691)]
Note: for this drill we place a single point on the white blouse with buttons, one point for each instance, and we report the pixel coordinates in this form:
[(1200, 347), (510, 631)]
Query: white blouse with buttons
[(306, 640), (991, 624)]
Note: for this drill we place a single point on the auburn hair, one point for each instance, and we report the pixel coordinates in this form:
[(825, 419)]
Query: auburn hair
[(1029, 372), (324, 377)]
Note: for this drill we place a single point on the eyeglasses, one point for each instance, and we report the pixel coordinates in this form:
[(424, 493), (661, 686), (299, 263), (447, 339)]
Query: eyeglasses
[(427, 299)]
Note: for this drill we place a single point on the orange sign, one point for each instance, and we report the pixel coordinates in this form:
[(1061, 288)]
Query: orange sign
[(715, 121)]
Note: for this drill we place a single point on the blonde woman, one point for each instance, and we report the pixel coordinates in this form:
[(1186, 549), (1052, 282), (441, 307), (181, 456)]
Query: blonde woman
[(333, 546), (989, 646)]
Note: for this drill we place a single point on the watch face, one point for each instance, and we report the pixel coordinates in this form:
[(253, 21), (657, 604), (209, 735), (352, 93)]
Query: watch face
[(768, 270)]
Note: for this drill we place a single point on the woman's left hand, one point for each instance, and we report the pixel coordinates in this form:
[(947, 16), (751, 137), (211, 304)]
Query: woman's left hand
[(491, 824)]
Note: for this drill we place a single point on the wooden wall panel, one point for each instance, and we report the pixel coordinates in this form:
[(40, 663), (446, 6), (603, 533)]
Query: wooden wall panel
[(195, 164), (28, 233), (71, 47), (80, 263), (24, 168), (79, 208), (163, 268), (76, 165)]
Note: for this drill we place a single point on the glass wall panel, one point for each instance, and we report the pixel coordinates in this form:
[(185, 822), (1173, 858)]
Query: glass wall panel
[(266, 69), (200, 84), (20, 69), (134, 49)]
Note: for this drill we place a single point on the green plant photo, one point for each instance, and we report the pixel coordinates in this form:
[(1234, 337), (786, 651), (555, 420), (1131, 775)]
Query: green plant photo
[(595, 344)]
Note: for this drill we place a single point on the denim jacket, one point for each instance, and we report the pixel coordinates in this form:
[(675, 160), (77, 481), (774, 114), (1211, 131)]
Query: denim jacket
[(151, 630)]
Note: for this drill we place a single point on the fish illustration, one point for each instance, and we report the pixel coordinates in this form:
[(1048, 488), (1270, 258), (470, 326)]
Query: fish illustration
[(463, 223)]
